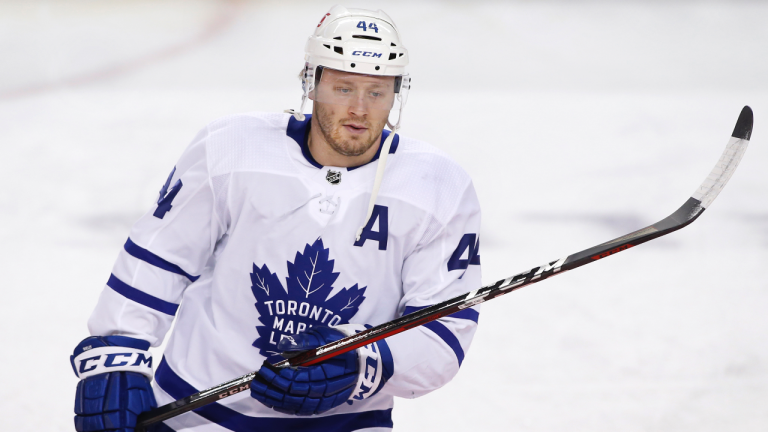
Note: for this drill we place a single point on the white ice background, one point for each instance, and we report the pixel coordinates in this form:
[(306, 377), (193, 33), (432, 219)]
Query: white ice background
[(579, 122)]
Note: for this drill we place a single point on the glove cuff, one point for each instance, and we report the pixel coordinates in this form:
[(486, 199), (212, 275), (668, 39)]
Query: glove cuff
[(371, 358), (98, 355)]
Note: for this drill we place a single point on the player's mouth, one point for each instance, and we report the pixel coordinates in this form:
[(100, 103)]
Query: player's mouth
[(355, 129)]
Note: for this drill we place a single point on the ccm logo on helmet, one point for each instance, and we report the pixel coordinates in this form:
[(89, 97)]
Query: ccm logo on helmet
[(366, 54)]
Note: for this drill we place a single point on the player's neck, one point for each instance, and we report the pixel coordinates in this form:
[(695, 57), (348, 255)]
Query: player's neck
[(325, 155)]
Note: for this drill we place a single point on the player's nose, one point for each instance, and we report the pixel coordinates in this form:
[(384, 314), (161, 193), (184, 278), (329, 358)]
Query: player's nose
[(358, 107)]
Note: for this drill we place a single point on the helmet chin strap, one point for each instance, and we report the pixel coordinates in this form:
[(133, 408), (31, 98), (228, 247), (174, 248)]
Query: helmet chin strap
[(298, 115), (377, 182), (307, 84), (380, 170)]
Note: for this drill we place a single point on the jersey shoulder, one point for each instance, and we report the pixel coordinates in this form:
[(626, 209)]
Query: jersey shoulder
[(428, 178), (433, 161), (248, 142)]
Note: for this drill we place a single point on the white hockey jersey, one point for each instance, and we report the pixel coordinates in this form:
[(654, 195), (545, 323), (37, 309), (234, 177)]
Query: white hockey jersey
[(252, 240)]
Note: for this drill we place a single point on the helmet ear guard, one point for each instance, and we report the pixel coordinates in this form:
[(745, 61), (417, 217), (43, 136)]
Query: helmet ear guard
[(318, 75), (402, 88)]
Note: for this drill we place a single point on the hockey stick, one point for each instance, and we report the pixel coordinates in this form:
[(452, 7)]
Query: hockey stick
[(687, 213)]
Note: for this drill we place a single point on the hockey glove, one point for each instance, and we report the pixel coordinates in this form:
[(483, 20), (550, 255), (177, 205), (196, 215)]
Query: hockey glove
[(354, 375), (114, 388)]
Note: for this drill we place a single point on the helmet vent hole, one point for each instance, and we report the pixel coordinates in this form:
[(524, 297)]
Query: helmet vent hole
[(401, 54), (392, 44), (327, 46), (339, 50), (377, 67), (338, 38), (392, 56), (366, 37), (352, 65)]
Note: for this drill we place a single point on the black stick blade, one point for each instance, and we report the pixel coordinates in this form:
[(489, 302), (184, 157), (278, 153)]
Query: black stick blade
[(743, 129)]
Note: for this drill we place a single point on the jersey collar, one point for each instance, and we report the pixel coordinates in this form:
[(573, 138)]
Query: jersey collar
[(299, 132)]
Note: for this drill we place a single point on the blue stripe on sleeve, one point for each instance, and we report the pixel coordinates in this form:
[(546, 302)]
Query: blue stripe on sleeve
[(148, 257), (448, 337), (230, 419), (443, 332), (468, 313), (141, 297)]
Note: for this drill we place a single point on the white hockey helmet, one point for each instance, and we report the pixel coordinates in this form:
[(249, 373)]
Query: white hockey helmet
[(358, 41)]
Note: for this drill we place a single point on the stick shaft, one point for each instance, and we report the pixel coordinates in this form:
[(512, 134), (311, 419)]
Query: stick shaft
[(685, 215)]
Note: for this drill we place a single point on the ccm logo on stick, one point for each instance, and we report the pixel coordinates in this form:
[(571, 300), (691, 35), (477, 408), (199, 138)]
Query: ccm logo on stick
[(612, 251), (235, 391)]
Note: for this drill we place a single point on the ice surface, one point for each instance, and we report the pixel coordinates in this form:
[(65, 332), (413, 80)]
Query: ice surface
[(579, 121)]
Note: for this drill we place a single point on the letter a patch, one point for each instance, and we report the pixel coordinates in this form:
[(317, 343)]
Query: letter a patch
[(380, 214)]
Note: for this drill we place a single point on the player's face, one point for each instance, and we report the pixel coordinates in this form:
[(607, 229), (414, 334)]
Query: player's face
[(352, 109)]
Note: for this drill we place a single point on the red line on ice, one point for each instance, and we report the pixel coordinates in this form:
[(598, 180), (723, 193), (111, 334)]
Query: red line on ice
[(220, 22)]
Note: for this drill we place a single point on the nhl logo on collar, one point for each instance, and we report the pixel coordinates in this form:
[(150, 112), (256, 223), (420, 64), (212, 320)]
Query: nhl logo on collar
[(333, 177)]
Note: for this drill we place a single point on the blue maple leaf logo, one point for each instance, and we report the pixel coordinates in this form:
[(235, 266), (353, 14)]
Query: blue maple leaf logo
[(305, 302)]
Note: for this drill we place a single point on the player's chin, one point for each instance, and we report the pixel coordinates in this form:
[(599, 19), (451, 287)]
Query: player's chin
[(355, 145)]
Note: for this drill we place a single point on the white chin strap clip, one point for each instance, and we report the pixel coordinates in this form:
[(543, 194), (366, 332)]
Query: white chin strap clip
[(296, 114)]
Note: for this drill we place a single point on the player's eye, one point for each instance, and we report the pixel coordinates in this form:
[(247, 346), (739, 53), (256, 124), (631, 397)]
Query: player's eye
[(343, 90)]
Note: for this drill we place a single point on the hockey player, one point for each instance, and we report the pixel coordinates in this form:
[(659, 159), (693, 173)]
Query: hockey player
[(279, 232)]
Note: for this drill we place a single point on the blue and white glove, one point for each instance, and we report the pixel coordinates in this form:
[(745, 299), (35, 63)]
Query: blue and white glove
[(114, 372), (354, 375)]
